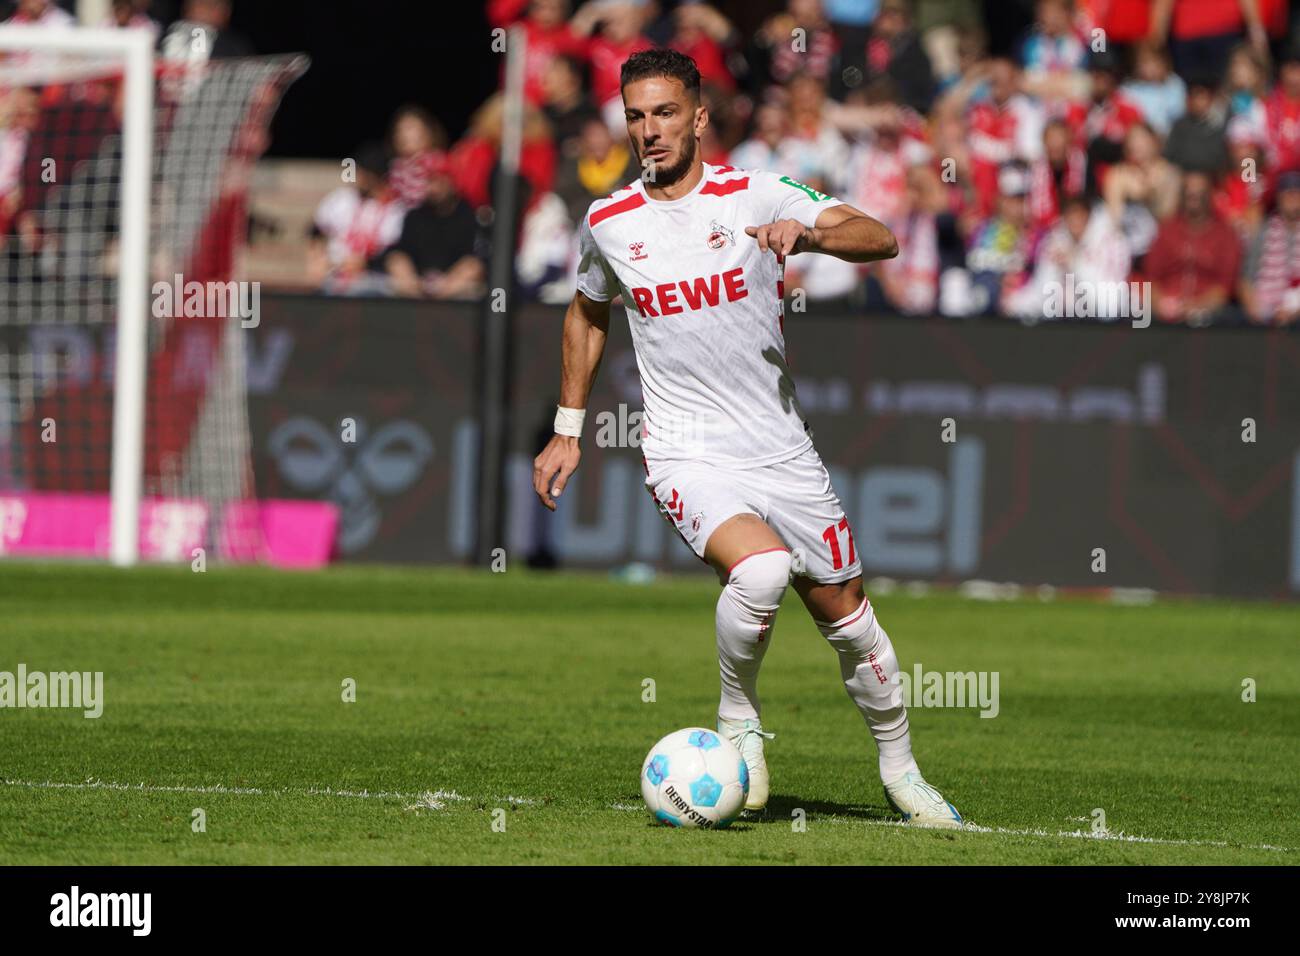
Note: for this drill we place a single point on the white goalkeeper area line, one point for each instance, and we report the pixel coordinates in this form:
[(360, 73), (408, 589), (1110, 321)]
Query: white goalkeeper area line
[(441, 799)]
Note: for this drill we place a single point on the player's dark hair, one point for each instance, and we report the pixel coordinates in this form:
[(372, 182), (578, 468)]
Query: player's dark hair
[(669, 63)]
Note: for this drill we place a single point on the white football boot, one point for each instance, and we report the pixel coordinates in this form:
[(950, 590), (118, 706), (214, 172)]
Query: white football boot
[(920, 804), (748, 736)]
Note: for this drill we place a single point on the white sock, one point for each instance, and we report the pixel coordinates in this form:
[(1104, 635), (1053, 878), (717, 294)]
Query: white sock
[(869, 668), (746, 615)]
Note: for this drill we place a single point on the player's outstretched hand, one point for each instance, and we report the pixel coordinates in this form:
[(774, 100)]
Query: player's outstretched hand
[(784, 237), (561, 455)]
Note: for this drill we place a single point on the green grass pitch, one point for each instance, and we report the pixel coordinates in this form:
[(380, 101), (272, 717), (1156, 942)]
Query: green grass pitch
[(523, 692)]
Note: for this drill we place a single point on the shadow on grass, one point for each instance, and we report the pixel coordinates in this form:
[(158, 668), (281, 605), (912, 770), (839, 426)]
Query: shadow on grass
[(780, 808)]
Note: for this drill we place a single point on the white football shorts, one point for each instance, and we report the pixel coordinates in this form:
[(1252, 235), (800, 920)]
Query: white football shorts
[(794, 497)]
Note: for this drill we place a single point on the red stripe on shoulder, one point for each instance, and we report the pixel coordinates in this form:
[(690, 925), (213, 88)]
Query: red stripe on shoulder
[(725, 189), (724, 169), (614, 208)]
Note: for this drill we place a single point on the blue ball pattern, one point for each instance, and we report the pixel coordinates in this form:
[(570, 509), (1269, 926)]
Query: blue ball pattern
[(657, 769), (704, 740), (705, 791)]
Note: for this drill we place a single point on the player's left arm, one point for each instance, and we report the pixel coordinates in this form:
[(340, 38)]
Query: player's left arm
[(840, 231)]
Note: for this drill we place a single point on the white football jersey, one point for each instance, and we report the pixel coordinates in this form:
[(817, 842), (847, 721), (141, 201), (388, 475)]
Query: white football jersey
[(705, 308)]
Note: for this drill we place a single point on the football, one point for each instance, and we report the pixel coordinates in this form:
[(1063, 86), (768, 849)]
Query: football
[(694, 778)]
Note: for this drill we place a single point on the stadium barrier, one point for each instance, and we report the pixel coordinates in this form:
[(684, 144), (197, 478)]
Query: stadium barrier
[(1064, 438)]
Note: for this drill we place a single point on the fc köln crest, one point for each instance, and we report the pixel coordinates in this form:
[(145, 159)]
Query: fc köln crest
[(720, 236)]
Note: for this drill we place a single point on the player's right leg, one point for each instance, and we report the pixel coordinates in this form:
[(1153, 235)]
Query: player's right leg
[(754, 565), (718, 517)]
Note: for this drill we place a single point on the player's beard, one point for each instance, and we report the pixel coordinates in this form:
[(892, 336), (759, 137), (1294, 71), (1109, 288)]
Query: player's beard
[(667, 175)]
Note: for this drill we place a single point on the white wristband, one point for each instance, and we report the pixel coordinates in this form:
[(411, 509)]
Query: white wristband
[(568, 421)]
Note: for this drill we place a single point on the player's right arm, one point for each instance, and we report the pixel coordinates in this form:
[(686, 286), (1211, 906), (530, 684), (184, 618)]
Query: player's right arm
[(586, 325)]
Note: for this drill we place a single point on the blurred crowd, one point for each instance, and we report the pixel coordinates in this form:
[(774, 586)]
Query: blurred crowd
[(1125, 153), (1106, 143), (55, 116)]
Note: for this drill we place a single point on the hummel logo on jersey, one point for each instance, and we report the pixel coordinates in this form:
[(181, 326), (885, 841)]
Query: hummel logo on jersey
[(695, 293), (638, 251), (678, 504), (719, 236)]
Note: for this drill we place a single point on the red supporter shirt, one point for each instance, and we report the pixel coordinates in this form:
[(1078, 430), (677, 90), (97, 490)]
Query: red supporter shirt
[(1208, 18), (607, 64), (1127, 21), (1186, 261), (711, 59), (1234, 196), (473, 159), (543, 44), (1112, 118), (996, 135), (1283, 119)]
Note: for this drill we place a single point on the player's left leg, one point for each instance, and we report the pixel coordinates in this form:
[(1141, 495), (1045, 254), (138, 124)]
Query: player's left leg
[(869, 668), (828, 579), (868, 665)]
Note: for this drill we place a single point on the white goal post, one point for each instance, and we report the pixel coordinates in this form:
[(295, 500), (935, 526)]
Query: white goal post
[(134, 200), (134, 48)]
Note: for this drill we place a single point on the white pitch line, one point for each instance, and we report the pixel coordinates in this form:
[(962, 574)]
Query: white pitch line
[(146, 788), (1067, 834), (1106, 835), (427, 799), (439, 799), (436, 800), (1121, 838)]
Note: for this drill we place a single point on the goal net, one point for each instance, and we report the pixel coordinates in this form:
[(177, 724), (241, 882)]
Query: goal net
[(123, 210)]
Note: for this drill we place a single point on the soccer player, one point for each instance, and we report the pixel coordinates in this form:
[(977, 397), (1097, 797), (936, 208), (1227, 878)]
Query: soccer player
[(697, 253)]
